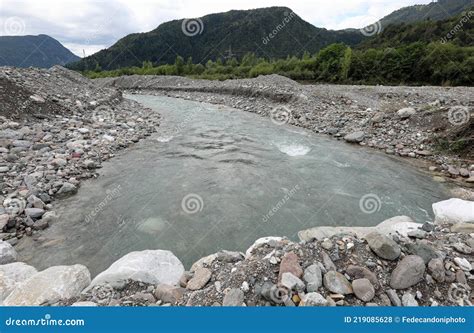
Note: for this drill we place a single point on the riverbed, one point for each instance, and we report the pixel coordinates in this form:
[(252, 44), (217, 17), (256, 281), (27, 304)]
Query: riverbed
[(215, 178)]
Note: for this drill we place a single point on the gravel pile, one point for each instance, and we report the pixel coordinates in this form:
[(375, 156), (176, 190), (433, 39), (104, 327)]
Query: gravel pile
[(56, 129)]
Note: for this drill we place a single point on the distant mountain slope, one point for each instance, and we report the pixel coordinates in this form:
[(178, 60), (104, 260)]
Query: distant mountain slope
[(439, 10), (426, 31), (232, 33), (37, 51)]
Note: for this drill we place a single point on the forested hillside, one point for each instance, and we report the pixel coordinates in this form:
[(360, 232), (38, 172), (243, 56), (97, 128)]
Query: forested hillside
[(420, 53)]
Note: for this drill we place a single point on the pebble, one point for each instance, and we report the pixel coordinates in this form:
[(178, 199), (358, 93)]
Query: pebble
[(383, 246), (289, 264), (394, 299), (337, 283), (327, 244), (327, 262), (291, 282), (34, 213), (409, 300), (234, 297), (7, 253), (406, 112), (313, 299), (168, 294), (363, 289), (245, 286), (355, 137), (463, 263), (359, 272), (200, 279), (417, 234), (462, 248), (436, 268), (313, 277), (409, 271), (424, 250), (67, 189)]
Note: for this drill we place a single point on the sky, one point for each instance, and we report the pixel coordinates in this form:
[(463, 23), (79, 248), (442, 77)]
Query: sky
[(87, 26)]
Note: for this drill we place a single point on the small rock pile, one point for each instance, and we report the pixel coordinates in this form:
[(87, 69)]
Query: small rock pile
[(56, 128)]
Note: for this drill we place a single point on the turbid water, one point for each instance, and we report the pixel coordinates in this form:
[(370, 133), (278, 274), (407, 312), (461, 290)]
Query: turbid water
[(216, 178)]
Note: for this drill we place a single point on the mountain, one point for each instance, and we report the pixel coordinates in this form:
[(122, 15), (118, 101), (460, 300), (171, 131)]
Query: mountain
[(436, 10), (396, 35), (37, 51), (274, 32)]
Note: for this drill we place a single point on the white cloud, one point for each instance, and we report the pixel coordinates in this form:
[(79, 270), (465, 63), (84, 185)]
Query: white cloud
[(91, 25)]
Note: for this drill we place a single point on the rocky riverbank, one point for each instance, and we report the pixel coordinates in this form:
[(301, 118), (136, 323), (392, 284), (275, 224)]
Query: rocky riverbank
[(57, 127), (397, 263), (412, 122)]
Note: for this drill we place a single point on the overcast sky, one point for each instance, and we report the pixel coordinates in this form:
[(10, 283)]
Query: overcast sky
[(92, 25)]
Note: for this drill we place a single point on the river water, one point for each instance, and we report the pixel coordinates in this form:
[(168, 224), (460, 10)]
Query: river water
[(216, 178)]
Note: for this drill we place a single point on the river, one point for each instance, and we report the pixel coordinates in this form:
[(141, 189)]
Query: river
[(215, 178)]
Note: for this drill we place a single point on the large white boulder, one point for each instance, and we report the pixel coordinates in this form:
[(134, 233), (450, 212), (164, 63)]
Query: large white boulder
[(51, 285), (454, 211), (261, 242), (7, 253), (11, 275), (150, 266), (398, 225)]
